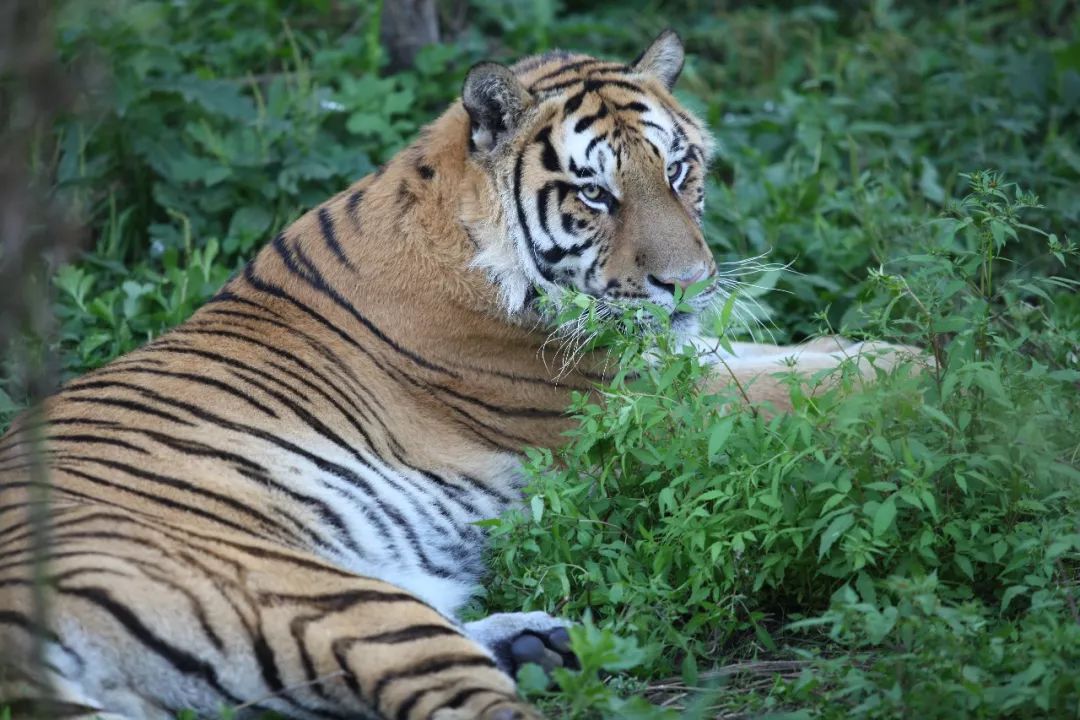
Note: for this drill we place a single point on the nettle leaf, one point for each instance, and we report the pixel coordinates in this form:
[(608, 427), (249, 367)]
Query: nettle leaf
[(884, 516), (221, 97), (369, 123), (834, 532), (249, 222)]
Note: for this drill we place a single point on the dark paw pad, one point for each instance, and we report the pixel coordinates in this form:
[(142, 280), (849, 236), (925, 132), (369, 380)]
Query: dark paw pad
[(549, 650)]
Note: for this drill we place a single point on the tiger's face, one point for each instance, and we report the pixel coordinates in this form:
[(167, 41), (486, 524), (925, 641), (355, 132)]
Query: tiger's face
[(600, 175)]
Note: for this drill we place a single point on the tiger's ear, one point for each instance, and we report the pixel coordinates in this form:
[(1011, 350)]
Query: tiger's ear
[(495, 100), (663, 59)]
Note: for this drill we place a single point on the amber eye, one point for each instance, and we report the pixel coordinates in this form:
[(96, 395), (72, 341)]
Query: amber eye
[(597, 198)]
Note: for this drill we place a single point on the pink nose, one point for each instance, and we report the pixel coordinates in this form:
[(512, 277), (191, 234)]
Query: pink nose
[(684, 281)]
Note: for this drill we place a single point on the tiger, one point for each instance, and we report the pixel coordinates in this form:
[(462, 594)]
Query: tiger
[(274, 506)]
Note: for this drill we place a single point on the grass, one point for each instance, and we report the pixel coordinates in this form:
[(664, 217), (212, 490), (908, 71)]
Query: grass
[(910, 551)]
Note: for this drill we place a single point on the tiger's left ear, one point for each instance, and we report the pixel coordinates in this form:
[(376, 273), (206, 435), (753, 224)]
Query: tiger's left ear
[(663, 59), (495, 100)]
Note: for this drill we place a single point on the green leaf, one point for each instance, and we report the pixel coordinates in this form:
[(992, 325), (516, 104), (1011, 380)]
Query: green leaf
[(965, 566), (1010, 594), (250, 221), (531, 678), (884, 516), (719, 435), (836, 529)]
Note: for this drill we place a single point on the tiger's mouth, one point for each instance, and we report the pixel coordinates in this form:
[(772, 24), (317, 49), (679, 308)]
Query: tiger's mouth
[(682, 316)]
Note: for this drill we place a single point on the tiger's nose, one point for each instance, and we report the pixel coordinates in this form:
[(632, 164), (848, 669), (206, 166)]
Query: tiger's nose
[(685, 280)]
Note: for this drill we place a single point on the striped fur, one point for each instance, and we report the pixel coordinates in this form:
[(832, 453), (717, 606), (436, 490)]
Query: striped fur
[(272, 506)]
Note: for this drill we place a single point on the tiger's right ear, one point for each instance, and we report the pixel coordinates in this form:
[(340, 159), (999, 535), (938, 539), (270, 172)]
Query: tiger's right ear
[(495, 100)]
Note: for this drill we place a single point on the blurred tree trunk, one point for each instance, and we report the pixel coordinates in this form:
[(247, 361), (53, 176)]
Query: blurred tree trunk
[(35, 236), (407, 26)]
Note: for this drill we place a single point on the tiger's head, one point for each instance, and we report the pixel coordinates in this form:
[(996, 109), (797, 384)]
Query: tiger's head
[(600, 177)]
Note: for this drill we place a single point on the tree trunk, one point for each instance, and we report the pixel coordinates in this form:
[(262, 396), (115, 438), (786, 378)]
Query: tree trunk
[(407, 26)]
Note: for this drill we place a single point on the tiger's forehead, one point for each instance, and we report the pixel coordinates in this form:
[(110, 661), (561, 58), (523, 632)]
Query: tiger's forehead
[(602, 109)]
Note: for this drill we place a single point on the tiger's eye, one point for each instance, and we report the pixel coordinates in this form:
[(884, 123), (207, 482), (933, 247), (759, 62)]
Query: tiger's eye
[(591, 192), (673, 170)]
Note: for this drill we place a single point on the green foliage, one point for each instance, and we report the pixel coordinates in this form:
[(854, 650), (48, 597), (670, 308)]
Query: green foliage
[(205, 128), (702, 532), (908, 651), (697, 526), (912, 548)]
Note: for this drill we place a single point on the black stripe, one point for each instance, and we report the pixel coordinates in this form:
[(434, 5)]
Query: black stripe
[(257, 473), (127, 405), (16, 435), (353, 203), (335, 362), (175, 483), (594, 84), (326, 225), (542, 198), (462, 696), (268, 666), (367, 412), (472, 424), (569, 67), (406, 706), (586, 122), (180, 659), (429, 666), (98, 440), (331, 468), (573, 103), (315, 279), (634, 106), (591, 85), (155, 574), (409, 634), (229, 296), (548, 156), (593, 143), (183, 536), (469, 423), (406, 197), (582, 172), (24, 623), (337, 602), (153, 497), (190, 377), (519, 168)]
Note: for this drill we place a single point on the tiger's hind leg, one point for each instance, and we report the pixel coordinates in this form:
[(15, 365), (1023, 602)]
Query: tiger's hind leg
[(526, 637), (154, 618)]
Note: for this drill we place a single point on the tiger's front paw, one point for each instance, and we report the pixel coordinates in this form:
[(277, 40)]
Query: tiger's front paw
[(516, 639)]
